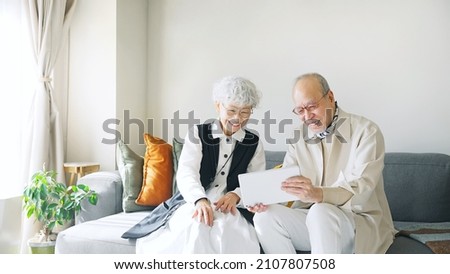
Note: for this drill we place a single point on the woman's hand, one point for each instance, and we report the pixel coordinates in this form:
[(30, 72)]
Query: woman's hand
[(204, 212), (228, 203), (303, 188)]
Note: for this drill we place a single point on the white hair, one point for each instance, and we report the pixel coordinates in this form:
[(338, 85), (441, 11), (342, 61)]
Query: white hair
[(236, 90)]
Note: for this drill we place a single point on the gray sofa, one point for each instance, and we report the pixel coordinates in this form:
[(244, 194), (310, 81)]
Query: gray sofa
[(417, 186)]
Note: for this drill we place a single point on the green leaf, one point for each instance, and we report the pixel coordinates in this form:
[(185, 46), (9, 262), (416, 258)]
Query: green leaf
[(85, 188), (51, 225), (93, 199), (52, 206), (44, 205), (43, 192), (69, 205), (30, 212)]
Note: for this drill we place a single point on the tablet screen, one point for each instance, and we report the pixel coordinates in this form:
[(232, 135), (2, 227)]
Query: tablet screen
[(265, 186)]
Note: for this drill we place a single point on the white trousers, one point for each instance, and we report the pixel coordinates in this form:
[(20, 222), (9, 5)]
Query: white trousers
[(322, 229)]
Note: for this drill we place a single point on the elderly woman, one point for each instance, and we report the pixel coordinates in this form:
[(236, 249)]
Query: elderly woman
[(207, 216)]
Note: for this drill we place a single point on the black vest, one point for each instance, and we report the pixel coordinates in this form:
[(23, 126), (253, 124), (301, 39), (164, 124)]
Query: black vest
[(242, 155)]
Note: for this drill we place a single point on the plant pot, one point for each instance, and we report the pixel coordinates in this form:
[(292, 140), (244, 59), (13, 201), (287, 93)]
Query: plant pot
[(42, 247)]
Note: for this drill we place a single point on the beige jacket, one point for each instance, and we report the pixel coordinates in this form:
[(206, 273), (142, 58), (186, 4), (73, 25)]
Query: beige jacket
[(351, 159)]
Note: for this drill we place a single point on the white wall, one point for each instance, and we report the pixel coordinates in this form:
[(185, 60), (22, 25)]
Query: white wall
[(107, 72), (386, 60), (131, 91), (92, 84)]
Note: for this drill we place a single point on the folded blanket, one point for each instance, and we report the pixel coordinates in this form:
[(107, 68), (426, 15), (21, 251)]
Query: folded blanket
[(434, 235)]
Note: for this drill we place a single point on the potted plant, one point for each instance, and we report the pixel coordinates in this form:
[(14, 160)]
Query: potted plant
[(52, 203)]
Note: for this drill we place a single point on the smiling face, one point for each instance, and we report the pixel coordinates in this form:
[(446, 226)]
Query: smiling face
[(232, 116), (314, 108)]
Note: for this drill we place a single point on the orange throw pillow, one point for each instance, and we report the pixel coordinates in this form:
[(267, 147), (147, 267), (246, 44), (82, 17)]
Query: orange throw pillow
[(158, 172)]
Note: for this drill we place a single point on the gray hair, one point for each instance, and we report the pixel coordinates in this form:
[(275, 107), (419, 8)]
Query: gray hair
[(322, 81), (236, 90)]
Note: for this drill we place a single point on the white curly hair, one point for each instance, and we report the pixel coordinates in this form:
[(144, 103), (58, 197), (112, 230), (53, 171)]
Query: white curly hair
[(236, 90)]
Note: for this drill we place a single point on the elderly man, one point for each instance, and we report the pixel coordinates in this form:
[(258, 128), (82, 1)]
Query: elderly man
[(341, 206)]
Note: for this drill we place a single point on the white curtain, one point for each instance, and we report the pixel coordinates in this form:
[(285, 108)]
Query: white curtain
[(49, 22)]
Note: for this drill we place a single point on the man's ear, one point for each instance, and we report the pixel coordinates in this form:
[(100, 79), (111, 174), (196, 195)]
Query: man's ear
[(331, 96)]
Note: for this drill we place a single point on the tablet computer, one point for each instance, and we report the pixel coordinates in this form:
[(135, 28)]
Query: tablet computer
[(265, 186)]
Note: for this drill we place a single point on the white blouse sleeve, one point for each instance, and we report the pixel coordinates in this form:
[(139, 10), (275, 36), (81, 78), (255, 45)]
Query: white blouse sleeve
[(188, 173)]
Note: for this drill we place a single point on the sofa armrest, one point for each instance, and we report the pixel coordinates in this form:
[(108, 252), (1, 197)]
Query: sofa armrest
[(108, 186)]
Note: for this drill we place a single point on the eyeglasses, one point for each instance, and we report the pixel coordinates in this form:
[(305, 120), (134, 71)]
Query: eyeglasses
[(244, 113), (309, 108)]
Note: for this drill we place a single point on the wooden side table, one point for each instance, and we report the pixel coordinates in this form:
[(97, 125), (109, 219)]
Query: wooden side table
[(80, 169)]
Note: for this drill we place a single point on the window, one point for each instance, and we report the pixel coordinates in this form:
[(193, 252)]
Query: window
[(15, 72)]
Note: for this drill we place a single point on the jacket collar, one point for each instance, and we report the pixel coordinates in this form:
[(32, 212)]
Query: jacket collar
[(341, 130)]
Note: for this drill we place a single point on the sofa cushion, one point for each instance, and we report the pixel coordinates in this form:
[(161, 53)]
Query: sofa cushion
[(158, 172), (177, 147), (417, 186), (130, 166), (102, 236)]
